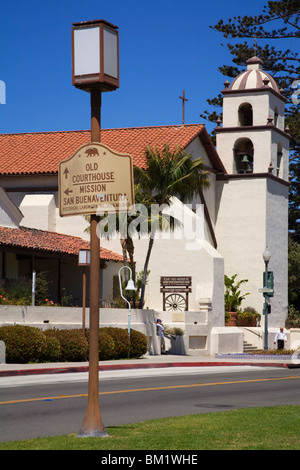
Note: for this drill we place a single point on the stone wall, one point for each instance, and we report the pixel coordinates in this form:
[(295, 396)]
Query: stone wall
[(200, 336)]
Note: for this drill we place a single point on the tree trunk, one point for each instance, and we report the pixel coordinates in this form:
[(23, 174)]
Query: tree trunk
[(151, 241)]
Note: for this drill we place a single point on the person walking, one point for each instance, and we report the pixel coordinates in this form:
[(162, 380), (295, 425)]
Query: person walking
[(280, 338), (161, 334)]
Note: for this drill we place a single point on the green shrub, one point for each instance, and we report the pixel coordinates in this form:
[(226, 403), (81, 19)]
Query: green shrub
[(106, 346), (53, 350), (138, 343), (121, 341), (174, 331), (26, 344), (23, 344), (73, 345)]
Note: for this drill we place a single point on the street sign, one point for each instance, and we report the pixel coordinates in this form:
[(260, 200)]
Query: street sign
[(95, 178), (176, 281), (175, 289), (266, 290)]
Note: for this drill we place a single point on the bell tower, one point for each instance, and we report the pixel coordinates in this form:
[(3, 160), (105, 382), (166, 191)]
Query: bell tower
[(252, 198), (252, 138)]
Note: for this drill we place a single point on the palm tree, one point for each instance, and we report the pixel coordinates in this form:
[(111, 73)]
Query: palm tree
[(114, 223), (167, 174)]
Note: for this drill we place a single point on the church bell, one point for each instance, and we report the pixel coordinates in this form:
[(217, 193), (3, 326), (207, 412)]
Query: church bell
[(245, 159)]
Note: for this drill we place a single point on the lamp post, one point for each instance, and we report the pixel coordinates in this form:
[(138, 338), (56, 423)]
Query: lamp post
[(84, 259), (33, 286), (266, 258), (130, 286), (95, 69)]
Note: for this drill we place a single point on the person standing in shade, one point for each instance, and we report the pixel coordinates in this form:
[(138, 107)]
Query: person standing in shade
[(161, 334), (280, 338)]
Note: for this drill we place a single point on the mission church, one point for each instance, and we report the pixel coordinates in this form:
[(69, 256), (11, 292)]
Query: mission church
[(243, 211)]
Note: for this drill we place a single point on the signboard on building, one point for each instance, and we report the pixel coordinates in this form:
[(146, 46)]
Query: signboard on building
[(95, 178), (176, 281), (174, 287)]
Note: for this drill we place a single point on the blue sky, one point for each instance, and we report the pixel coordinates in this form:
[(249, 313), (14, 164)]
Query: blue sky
[(165, 47)]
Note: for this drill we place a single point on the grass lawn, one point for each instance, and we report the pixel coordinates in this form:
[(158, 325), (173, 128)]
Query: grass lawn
[(271, 428)]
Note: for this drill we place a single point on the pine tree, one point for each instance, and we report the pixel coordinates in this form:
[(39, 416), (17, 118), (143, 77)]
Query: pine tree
[(279, 21)]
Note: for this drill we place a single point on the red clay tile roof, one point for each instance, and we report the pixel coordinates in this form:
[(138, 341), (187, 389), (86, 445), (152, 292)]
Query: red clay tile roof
[(36, 153), (50, 242)]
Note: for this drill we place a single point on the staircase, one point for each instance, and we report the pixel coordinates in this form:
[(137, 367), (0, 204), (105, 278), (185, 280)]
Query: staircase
[(249, 347)]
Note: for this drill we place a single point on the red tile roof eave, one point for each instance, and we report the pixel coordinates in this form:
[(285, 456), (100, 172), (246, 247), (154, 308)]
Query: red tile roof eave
[(129, 140), (31, 173), (26, 238), (211, 151)]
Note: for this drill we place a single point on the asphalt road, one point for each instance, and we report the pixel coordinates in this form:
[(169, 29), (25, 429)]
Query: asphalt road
[(36, 406)]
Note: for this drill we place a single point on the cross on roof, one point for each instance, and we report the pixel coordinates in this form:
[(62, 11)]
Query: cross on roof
[(183, 98), (255, 46)]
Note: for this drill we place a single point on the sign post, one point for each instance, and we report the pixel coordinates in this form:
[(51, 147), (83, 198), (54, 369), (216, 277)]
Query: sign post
[(94, 177)]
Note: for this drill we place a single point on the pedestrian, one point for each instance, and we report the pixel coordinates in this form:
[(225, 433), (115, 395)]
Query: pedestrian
[(161, 334), (280, 338)]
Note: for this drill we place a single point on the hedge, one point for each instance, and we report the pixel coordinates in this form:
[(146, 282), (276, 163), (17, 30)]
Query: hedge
[(73, 344), (121, 340), (26, 344), (138, 344), (23, 343)]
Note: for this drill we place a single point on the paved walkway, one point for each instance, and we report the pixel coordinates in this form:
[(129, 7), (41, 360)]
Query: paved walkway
[(150, 362)]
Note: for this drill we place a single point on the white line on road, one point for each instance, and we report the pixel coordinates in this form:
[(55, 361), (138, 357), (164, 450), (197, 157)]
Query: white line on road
[(20, 381)]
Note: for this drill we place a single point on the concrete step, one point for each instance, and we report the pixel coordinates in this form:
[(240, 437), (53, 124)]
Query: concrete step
[(249, 347)]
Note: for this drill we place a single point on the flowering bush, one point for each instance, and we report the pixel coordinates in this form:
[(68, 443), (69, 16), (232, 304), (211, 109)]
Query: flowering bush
[(3, 300), (18, 292), (49, 303)]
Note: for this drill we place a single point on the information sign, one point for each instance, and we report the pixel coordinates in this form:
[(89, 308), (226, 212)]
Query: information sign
[(95, 177)]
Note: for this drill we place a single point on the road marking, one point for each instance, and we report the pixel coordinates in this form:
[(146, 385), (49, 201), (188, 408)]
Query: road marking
[(150, 389)]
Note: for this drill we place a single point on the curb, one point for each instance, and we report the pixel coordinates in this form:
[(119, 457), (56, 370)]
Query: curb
[(70, 369)]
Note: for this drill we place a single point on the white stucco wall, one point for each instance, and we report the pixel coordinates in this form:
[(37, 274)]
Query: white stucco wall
[(10, 215), (277, 242), (263, 106), (265, 144), (184, 252), (252, 214), (39, 211), (241, 232)]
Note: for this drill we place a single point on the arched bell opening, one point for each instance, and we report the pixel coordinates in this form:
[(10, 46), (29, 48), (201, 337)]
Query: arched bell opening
[(276, 117), (279, 160), (243, 156), (245, 115)]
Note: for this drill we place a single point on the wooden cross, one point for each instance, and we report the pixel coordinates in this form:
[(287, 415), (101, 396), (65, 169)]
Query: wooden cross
[(183, 98)]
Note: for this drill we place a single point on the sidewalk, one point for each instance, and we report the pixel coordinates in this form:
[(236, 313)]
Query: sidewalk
[(148, 361)]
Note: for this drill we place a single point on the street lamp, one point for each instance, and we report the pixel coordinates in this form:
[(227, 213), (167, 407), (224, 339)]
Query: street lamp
[(266, 258), (95, 69), (84, 258), (130, 286), (95, 55)]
